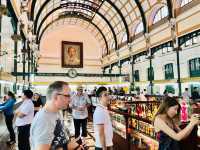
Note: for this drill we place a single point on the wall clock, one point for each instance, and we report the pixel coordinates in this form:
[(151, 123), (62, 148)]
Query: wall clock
[(72, 73)]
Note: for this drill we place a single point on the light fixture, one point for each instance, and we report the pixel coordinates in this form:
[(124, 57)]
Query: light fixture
[(31, 37), (117, 53), (2, 53), (34, 46), (16, 37), (3, 10), (21, 19), (24, 6), (30, 26)]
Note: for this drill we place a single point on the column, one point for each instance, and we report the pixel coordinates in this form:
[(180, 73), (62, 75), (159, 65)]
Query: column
[(103, 70), (151, 74), (133, 72), (24, 62), (176, 47), (29, 66), (150, 57), (110, 72), (120, 67), (15, 63), (15, 39)]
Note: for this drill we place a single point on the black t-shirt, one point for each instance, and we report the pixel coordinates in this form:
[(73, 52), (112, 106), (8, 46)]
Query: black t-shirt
[(37, 103)]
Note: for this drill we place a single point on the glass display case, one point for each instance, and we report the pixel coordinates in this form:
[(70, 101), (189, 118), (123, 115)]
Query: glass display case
[(132, 120), (139, 115), (119, 124)]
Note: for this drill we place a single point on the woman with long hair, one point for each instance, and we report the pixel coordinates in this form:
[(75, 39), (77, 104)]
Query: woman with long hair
[(7, 108), (37, 102), (166, 127)]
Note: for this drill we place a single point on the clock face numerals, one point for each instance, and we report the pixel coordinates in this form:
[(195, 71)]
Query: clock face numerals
[(72, 73)]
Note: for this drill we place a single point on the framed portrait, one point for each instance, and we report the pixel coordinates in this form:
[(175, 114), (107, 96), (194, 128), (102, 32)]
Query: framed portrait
[(72, 54)]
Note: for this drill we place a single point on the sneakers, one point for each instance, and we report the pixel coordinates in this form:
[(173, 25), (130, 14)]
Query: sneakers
[(10, 142)]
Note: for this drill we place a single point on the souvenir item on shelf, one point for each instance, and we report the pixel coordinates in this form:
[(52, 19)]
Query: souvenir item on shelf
[(184, 111), (136, 122), (119, 124)]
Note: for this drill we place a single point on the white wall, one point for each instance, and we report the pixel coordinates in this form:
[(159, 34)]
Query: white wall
[(50, 51), (158, 63)]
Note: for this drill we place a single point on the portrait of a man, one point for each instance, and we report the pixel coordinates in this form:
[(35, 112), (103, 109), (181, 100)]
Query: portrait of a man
[(72, 54)]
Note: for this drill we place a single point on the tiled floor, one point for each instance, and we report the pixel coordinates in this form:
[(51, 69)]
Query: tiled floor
[(4, 137), (68, 123), (90, 138)]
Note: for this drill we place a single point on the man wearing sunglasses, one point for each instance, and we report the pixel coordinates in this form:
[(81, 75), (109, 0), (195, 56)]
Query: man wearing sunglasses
[(47, 129), (103, 131)]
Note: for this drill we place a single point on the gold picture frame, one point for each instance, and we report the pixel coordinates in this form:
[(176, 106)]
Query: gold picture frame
[(72, 54)]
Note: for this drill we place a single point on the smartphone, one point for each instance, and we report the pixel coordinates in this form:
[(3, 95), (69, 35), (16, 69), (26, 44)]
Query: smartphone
[(79, 141)]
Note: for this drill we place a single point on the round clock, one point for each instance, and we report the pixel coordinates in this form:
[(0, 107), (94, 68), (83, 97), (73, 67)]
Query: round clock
[(72, 73)]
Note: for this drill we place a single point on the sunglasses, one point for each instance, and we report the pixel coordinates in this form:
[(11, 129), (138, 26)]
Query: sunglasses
[(65, 95), (105, 94)]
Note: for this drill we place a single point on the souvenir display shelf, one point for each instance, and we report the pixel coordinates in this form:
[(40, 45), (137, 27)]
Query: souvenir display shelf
[(132, 120)]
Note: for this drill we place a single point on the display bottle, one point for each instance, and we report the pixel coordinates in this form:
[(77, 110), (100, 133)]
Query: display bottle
[(184, 111), (140, 143), (143, 111), (133, 110)]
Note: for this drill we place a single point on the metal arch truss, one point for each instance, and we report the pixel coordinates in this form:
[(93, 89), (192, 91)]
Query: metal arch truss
[(170, 9), (32, 9), (122, 17), (100, 2), (68, 15), (47, 1), (144, 21), (83, 7), (94, 4), (142, 13)]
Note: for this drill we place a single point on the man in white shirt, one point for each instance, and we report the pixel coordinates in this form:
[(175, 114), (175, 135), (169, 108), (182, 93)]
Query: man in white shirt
[(24, 119), (79, 104), (103, 130), (186, 94)]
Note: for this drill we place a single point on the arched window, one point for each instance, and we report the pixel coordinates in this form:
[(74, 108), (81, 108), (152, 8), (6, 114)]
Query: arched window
[(136, 75), (124, 38), (104, 51), (169, 73), (139, 28), (194, 66), (112, 45), (162, 13), (185, 2), (150, 73)]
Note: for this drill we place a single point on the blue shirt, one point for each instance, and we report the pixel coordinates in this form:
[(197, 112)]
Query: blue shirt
[(7, 107)]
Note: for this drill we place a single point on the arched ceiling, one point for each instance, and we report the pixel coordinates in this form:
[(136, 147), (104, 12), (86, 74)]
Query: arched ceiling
[(115, 20), (82, 22)]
